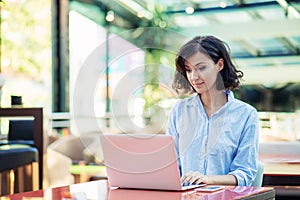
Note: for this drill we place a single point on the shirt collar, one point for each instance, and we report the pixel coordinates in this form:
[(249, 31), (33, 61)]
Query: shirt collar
[(196, 100)]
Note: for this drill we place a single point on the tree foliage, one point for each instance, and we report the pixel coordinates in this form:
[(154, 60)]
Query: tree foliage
[(26, 36)]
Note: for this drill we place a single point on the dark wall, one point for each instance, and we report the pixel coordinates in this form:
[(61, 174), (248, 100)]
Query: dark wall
[(284, 98)]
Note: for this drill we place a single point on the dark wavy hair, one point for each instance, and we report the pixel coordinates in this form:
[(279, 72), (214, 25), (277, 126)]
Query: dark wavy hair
[(229, 77)]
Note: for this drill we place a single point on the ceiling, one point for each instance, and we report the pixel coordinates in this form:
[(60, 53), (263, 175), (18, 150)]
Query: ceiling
[(264, 35)]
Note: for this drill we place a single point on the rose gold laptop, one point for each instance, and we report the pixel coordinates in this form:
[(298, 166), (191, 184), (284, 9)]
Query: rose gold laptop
[(142, 161)]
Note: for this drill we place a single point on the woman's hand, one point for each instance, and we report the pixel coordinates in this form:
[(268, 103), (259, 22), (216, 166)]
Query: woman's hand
[(195, 178)]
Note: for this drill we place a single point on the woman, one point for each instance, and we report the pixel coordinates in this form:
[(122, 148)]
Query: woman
[(216, 135)]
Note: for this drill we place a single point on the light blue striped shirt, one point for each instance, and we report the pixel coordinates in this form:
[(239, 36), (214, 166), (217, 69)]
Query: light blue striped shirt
[(225, 143)]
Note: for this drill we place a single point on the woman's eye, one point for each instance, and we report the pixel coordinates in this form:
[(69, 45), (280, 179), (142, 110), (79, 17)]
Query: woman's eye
[(201, 68), (188, 70)]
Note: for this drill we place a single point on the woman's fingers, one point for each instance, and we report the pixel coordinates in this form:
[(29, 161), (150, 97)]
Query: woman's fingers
[(195, 177), (186, 178), (192, 178), (199, 181)]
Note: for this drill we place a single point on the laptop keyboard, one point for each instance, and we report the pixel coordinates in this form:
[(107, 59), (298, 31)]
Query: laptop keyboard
[(188, 184)]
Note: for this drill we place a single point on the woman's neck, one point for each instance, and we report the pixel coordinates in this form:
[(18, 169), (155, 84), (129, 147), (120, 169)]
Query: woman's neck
[(213, 100)]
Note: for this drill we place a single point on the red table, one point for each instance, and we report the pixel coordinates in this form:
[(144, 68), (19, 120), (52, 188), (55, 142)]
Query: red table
[(281, 169), (100, 190)]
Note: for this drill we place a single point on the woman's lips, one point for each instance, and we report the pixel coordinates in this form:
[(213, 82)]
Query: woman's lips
[(198, 84)]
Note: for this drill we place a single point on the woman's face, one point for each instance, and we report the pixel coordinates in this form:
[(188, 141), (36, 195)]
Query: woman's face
[(202, 72)]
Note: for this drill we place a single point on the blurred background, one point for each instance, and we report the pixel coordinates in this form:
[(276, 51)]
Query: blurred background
[(44, 45)]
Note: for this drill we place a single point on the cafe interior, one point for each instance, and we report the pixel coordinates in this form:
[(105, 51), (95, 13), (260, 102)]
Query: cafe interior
[(71, 70)]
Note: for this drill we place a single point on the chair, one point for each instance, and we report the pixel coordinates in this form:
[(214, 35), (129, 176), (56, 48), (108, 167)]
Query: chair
[(259, 175), (36, 134), (19, 150), (21, 131), (13, 159)]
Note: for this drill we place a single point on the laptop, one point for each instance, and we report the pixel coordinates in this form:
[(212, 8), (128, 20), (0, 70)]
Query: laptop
[(142, 161)]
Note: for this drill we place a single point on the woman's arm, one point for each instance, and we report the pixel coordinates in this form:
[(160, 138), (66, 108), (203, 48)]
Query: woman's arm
[(220, 179), (245, 163), (197, 178)]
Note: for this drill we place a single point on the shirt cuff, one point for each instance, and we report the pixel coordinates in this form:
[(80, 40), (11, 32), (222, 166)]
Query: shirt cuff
[(240, 177)]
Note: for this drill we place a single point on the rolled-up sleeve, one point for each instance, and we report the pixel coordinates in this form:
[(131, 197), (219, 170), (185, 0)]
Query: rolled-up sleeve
[(245, 163)]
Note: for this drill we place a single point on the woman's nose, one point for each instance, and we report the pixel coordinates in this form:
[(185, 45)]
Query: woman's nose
[(195, 75)]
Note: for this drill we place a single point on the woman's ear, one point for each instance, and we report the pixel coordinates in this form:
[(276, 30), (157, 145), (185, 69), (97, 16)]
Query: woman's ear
[(220, 64)]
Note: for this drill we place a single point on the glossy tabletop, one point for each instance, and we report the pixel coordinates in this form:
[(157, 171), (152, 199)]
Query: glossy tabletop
[(100, 190), (283, 165)]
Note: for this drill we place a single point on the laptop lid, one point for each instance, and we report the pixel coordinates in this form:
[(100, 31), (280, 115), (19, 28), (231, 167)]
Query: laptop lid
[(141, 161)]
